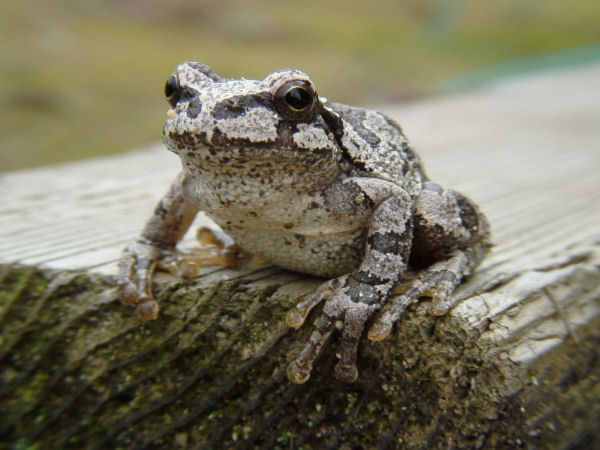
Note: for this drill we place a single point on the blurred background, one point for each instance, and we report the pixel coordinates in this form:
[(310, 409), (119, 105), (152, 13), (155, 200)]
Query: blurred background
[(83, 78)]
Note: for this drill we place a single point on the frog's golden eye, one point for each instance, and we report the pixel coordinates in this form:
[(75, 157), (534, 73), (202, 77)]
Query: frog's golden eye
[(172, 89), (295, 100)]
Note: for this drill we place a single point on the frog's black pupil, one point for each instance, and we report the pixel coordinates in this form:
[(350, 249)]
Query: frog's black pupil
[(298, 98)]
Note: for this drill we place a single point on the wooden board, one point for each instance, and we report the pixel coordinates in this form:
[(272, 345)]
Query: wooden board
[(527, 150)]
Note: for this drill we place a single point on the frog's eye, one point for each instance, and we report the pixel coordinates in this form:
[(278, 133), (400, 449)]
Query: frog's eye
[(295, 100), (172, 89)]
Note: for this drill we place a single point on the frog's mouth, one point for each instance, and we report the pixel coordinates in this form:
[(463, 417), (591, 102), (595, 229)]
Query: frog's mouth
[(197, 146), (196, 152), (184, 142), (221, 149)]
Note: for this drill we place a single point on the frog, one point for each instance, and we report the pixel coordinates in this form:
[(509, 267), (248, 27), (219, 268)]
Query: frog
[(317, 187)]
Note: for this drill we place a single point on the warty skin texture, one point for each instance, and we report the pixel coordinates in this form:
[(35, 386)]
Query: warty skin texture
[(313, 186)]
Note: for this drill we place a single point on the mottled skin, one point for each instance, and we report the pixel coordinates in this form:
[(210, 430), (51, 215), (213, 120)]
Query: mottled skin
[(318, 187)]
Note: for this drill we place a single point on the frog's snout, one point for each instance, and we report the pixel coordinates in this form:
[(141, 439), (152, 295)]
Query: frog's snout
[(174, 92)]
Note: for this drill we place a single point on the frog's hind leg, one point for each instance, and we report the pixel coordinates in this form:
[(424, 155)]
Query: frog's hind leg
[(437, 281), (451, 239)]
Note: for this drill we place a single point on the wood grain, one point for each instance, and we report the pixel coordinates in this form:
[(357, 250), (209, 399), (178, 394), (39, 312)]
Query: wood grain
[(515, 362)]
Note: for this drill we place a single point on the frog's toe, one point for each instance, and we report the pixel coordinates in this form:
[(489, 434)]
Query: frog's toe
[(438, 282), (126, 286), (295, 318), (297, 315), (127, 292), (379, 331), (135, 278), (439, 305), (354, 323), (384, 323), (147, 310), (297, 374), (299, 370), (440, 289)]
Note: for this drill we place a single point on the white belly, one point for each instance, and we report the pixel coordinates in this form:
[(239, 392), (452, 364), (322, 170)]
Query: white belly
[(327, 255)]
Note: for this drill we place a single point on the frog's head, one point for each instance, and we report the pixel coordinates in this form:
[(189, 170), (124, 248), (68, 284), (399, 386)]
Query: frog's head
[(215, 119)]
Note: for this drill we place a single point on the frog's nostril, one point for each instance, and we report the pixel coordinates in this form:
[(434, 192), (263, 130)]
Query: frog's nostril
[(172, 89)]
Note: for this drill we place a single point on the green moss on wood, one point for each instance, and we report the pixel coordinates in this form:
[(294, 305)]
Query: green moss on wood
[(82, 372)]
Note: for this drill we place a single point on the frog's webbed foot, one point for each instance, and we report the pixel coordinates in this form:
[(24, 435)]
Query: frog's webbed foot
[(349, 304), (141, 258), (136, 268), (212, 252), (437, 282)]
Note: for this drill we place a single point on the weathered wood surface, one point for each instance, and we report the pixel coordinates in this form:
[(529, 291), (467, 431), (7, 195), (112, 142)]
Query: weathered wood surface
[(515, 362)]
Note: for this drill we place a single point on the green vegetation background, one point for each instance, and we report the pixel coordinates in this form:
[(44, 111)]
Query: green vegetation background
[(85, 77)]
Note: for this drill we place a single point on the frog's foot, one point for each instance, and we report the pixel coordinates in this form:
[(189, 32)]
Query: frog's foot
[(437, 281), (349, 305), (188, 264), (136, 267), (141, 258), (296, 317), (212, 252)]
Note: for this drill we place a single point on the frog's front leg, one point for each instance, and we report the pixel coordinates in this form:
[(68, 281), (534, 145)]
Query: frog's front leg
[(353, 298), (167, 225)]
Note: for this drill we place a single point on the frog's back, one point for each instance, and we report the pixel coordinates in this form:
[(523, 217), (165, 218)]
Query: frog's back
[(378, 145)]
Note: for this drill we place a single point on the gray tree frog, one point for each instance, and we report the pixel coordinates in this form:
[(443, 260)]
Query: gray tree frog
[(313, 186)]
